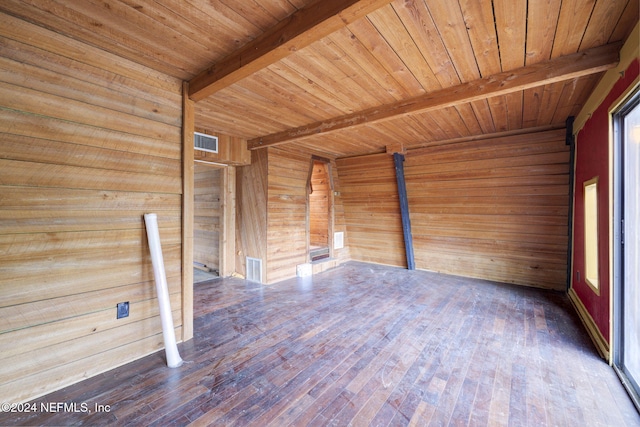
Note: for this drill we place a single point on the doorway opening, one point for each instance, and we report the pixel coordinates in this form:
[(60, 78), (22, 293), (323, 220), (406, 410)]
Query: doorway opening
[(626, 307), (206, 222), (320, 224)]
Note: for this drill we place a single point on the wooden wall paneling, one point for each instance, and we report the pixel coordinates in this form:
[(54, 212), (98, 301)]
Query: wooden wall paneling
[(272, 212), (227, 235), (66, 56), (70, 257), (287, 213), (46, 314), (26, 125), (51, 81), (120, 35), (339, 223), (495, 208), (188, 123), (25, 99), (60, 376), (77, 174), (251, 208), (207, 215), (29, 363), (371, 208), (231, 150)]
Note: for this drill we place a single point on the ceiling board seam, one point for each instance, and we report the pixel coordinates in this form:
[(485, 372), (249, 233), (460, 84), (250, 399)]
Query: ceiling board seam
[(555, 32), (416, 44), (526, 32), (435, 25), (553, 71), (593, 8), (495, 27)]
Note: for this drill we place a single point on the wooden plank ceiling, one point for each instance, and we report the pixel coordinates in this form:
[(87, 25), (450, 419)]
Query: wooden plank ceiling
[(352, 77)]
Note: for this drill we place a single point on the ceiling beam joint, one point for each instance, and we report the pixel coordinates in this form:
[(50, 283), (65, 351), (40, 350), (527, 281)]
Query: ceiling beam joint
[(307, 25)]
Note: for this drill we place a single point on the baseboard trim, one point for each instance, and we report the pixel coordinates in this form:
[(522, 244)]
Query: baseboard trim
[(598, 340)]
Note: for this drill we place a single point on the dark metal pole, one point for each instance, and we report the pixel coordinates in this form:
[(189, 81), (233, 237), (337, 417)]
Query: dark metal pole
[(398, 159)]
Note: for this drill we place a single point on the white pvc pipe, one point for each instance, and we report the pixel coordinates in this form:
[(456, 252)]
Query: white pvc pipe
[(153, 236)]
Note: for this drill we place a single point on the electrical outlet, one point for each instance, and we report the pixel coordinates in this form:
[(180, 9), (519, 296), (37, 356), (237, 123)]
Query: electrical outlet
[(123, 310)]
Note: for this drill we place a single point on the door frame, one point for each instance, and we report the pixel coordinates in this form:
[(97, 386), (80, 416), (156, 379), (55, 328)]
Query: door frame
[(330, 213), (628, 101)]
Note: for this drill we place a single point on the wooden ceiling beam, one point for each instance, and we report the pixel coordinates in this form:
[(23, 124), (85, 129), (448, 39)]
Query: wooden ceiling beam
[(564, 68), (299, 30)]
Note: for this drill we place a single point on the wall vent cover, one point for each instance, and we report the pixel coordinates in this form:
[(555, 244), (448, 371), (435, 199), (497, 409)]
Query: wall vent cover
[(254, 269), (338, 240), (204, 142)]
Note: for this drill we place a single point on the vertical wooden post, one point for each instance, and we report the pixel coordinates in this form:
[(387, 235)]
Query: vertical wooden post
[(188, 124), (228, 223), (398, 159)]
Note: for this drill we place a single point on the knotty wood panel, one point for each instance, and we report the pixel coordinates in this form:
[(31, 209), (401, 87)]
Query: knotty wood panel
[(494, 209), (90, 143), (207, 216), (372, 209), (231, 150), (287, 213), (251, 211), (272, 212)]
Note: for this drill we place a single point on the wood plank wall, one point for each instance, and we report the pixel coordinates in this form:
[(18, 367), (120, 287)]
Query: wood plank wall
[(251, 211), (207, 216), (371, 209), (231, 150), (89, 143), (287, 213), (272, 212), (495, 209)]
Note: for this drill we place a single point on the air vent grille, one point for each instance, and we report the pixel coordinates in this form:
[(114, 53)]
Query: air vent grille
[(204, 142), (254, 269)]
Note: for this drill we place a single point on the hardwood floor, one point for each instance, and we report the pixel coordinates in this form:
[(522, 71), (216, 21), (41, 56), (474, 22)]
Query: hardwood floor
[(363, 345)]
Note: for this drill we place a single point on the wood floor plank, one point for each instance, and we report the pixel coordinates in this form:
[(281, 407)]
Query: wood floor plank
[(362, 344)]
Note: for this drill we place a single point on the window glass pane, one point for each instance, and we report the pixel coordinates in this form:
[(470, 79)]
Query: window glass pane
[(591, 231), (631, 231)]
